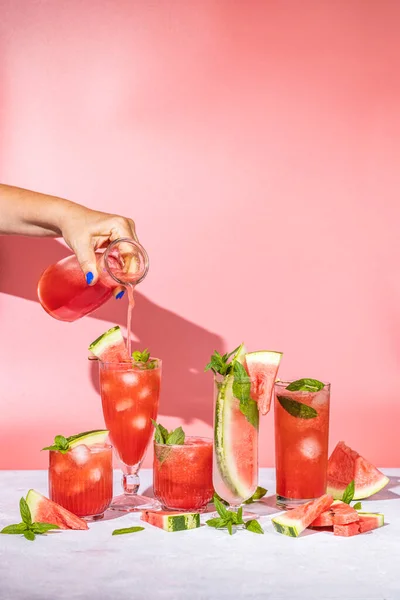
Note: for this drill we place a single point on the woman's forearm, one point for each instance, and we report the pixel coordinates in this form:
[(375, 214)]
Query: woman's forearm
[(23, 212)]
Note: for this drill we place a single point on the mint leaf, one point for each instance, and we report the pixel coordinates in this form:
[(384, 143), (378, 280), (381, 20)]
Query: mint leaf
[(216, 522), (239, 516), (14, 529), (25, 512), (61, 444), (29, 535), (127, 530), (306, 385), (297, 409), (160, 434), (229, 527), (176, 437), (254, 526), (258, 494), (241, 390), (357, 506), (143, 358), (250, 411), (220, 508), (41, 528), (348, 493)]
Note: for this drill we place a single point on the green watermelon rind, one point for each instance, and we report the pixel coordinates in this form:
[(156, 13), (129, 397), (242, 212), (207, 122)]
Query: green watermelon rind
[(89, 438), (172, 522), (106, 340), (223, 410), (379, 517), (360, 493), (292, 526), (274, 356)]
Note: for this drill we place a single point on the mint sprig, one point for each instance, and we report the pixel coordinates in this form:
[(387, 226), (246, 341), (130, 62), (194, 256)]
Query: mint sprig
[(228, 518), (142, 358), (176, 437), (61, 444), (223, 365), (127, 530), (26, 528), (219, 363), (305, 385), (348, 493)]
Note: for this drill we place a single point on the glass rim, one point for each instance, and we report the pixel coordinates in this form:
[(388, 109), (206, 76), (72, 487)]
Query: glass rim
[(139, 247), (188, 437), (286, 382), (133, 364), (93, 449)]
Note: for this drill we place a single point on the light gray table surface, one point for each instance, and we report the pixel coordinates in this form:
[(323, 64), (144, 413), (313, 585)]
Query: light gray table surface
[(198, 564)]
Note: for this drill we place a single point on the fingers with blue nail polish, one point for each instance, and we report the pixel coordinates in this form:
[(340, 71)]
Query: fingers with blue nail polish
[(119, 295), (89, 277)]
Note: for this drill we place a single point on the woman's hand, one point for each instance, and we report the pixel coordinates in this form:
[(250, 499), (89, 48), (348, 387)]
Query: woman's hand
[(23, 212), (86, 230)]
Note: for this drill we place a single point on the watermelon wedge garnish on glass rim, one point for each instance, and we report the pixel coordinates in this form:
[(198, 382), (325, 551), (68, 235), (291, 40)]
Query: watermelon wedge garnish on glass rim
[(110, 346), (262, 367)]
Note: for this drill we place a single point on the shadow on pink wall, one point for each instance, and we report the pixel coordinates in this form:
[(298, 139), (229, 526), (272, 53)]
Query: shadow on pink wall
[(184, 346)]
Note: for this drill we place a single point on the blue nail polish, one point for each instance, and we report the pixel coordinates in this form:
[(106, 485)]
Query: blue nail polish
[(119, 295), (89, 277)]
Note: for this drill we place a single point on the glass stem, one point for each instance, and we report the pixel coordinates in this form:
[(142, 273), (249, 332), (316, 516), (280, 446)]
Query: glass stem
[(130, 479)]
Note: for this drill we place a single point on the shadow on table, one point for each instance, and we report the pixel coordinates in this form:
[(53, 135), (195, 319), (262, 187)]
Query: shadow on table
[(386, 493)]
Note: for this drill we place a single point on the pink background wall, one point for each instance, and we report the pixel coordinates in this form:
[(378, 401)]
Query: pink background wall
[(256, 145)]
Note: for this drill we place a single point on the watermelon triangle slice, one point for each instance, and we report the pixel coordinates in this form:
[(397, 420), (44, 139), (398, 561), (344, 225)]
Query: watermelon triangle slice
[(110, 346), (262, 367), (346, 464), (44, 510), (293, 522)]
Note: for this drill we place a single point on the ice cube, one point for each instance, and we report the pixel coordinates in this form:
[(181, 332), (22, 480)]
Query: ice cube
[(144, 392), (139, 422), (61, 467), (123, 404), (130, 378), (95, 475), (310, 448), (80, 454), (320, 399)]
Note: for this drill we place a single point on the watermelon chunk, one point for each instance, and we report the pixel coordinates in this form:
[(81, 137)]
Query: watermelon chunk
[(170, 520), (339, 513), (346, 464), (110, 346), (295, 521), (262, 367), (44, 510), (366, 522)]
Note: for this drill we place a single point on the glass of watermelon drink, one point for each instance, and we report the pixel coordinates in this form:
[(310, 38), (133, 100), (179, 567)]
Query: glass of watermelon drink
[(130, 393), (301, 440), (182, 474), (81, 480), (64, 293), (235, 456)]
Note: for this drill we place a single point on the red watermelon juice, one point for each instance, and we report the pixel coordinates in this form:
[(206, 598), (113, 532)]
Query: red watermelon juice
[(130, 395), (301, 441), (183, 474), (81, 480)]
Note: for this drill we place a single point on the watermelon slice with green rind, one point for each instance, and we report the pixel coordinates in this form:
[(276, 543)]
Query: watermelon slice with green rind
[(346, 465), (262, 367), (171, 520), (294, 522), (89, 438), (110, 346), (233, 435), (44, 510)]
